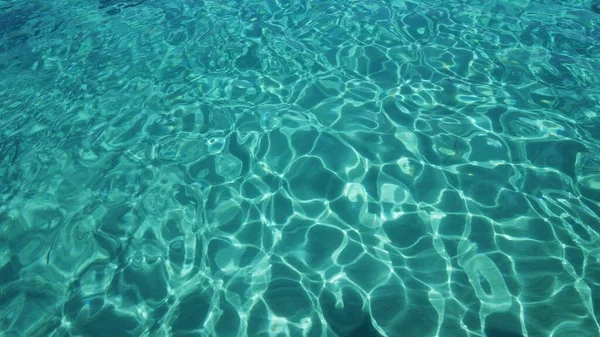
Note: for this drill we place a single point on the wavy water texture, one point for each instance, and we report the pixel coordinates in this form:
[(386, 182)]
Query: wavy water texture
[(299, 168)]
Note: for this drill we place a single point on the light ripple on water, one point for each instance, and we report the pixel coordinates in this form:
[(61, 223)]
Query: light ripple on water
[(299, 169)]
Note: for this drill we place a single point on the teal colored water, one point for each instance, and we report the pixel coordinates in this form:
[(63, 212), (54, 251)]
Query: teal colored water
[(299, 168)]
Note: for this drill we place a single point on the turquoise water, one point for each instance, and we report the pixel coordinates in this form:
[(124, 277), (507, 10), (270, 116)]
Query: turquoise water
[(299, 168)]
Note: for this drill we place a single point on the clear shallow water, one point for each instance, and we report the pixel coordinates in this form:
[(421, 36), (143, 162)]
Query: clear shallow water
[(282, 168)]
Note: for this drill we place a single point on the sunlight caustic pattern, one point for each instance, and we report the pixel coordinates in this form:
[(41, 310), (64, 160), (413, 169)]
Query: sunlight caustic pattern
[(299, 168)]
